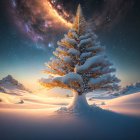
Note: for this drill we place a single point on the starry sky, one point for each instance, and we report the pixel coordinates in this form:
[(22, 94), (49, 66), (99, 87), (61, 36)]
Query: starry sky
[(23, 55)]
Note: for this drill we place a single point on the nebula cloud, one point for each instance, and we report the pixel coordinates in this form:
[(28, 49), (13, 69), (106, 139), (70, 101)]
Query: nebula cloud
[(45, 21)]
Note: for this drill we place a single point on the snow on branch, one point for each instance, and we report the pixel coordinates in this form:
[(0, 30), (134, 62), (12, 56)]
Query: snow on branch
[(113, 86), (105, 79), (84, 55), (70, 77), (54, 69), (71, 41), (61, 49), (84, 42), (75, 35), (84, 36), (73, 51), (70, 81), (65, 58), (95, 69), (89, 62)]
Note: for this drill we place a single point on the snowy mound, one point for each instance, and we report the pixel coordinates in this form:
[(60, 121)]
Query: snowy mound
[(79, 105), (131, 99), (90, 109), (10, 83), (128, 104), (129, 89)]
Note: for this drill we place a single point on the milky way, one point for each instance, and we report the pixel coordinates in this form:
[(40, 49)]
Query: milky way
[(45, 21)]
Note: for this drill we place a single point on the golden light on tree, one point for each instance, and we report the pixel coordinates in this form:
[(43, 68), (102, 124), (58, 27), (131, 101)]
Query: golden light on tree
[(79, 63)]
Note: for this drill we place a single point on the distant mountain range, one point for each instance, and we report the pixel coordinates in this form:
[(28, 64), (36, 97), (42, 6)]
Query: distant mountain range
[(9, 83)]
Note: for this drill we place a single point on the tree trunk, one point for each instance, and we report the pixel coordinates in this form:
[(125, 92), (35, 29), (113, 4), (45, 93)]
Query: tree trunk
[(79, 103)]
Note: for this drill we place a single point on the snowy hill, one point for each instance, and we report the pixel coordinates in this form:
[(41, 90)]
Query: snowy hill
[(42, 118), (129, 89), (101, 94), (10, 85), (127, 104)]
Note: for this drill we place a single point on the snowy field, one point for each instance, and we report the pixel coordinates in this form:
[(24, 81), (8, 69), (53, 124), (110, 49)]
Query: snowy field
[(28, 116)]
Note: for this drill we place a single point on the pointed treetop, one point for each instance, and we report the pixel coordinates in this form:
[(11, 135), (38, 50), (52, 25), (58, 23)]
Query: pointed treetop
[(79, 10), (79, 23)]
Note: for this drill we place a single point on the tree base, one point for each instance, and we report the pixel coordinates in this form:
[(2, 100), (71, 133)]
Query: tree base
[(79, 104)]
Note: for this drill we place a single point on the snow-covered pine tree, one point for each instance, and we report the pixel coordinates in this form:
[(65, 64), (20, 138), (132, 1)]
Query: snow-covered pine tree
[(80, 64)]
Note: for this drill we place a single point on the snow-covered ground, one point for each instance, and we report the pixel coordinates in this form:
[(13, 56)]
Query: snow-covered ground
[(128, 104), (37, 119), (34, 116)]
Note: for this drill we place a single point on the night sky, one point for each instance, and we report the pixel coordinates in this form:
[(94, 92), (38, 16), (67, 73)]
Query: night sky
[(23, 57)]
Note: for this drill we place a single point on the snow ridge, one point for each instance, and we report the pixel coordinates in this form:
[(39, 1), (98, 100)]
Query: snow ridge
[(8, 82)]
